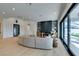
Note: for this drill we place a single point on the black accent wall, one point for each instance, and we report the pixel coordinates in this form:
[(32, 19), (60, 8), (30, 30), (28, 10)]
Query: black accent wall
[(45, 26)]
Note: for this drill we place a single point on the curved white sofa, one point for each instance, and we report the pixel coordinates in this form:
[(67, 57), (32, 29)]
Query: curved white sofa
[(37, 42)]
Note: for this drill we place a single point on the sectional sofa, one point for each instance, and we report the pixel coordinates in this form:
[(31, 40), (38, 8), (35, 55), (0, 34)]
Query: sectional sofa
[(37, 42)]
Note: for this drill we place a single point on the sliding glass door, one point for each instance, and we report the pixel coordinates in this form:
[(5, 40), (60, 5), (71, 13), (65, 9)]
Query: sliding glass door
[(61, 30), (74, 30), (66, 30), (70, 30)]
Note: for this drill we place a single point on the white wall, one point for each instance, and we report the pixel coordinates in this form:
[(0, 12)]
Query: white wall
[(8, 27), (32, 28)]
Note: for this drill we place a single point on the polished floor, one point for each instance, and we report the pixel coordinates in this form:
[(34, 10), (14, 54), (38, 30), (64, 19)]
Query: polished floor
[(9, 47)]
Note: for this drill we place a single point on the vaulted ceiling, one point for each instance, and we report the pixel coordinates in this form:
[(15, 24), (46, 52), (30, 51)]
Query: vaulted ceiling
[(32, 11)]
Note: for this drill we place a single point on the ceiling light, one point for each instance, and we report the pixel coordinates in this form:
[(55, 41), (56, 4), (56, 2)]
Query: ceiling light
[(13, 9), (3, 12)]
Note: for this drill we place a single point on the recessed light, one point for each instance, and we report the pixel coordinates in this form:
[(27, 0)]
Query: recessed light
[(3, 12), (30, 4), (13, 9)]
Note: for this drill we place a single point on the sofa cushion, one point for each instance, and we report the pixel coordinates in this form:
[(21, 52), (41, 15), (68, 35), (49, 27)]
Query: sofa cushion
[(44, 43)]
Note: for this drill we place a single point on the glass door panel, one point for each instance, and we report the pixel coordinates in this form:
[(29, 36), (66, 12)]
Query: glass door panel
[(74, 30)]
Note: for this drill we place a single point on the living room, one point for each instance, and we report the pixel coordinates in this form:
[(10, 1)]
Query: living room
[(31, 26)]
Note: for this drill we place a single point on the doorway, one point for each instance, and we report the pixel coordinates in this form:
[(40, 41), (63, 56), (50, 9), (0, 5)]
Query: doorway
[(16, 30)]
